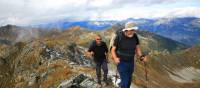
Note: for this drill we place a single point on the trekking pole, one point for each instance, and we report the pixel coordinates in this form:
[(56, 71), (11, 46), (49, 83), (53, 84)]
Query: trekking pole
[(146, 73), (116, 77)]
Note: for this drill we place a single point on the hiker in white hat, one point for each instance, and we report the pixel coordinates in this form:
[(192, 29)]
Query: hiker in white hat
[(125, 47)]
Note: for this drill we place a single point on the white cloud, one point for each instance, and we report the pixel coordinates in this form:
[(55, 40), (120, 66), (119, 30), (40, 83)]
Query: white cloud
[(23, 12), (144, 12), (100, 3), (15, 20), (184, 12)]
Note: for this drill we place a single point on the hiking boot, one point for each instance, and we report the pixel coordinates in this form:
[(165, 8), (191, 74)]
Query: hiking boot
[(99, 82), (106, 82)]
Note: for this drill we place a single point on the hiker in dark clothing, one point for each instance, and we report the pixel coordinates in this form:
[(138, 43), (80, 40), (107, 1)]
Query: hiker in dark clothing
[(125, 46), (98, 49)]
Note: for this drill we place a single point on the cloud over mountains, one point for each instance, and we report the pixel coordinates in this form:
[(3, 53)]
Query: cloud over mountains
[(23, 12)]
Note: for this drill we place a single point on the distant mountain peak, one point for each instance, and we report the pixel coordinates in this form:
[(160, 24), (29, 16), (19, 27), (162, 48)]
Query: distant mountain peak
[(8, 26)]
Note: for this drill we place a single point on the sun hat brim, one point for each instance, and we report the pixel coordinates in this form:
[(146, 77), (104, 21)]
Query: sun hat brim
[(132, 28)]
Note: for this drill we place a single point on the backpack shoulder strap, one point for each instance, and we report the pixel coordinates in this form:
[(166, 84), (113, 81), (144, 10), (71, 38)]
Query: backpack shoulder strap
[(93, 43), (119, 37), (136, 37), (104, 45)]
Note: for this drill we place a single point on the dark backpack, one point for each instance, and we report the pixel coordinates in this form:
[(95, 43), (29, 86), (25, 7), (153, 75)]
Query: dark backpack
[(118, 32), (93, 43), (119, 36)]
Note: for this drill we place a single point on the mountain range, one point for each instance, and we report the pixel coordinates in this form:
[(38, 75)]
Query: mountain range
[(185, 30)]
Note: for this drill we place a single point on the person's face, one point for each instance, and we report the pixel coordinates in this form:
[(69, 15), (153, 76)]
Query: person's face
[(98, 39), (129, 33)]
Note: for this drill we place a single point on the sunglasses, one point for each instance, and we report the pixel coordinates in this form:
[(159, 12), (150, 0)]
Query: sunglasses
[(98, 39), (129, 30)]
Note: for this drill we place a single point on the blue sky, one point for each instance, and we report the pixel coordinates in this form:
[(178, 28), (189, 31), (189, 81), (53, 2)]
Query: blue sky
[(25, 12)]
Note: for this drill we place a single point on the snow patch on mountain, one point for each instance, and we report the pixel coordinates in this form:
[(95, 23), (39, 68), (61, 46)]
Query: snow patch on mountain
[(163, 21), (101, 23)]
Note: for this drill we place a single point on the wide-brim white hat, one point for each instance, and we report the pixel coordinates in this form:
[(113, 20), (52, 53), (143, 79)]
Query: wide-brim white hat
[(130, 26)]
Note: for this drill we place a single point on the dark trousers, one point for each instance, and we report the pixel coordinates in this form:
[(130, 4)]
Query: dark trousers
[(125, 69), (101, 65)]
